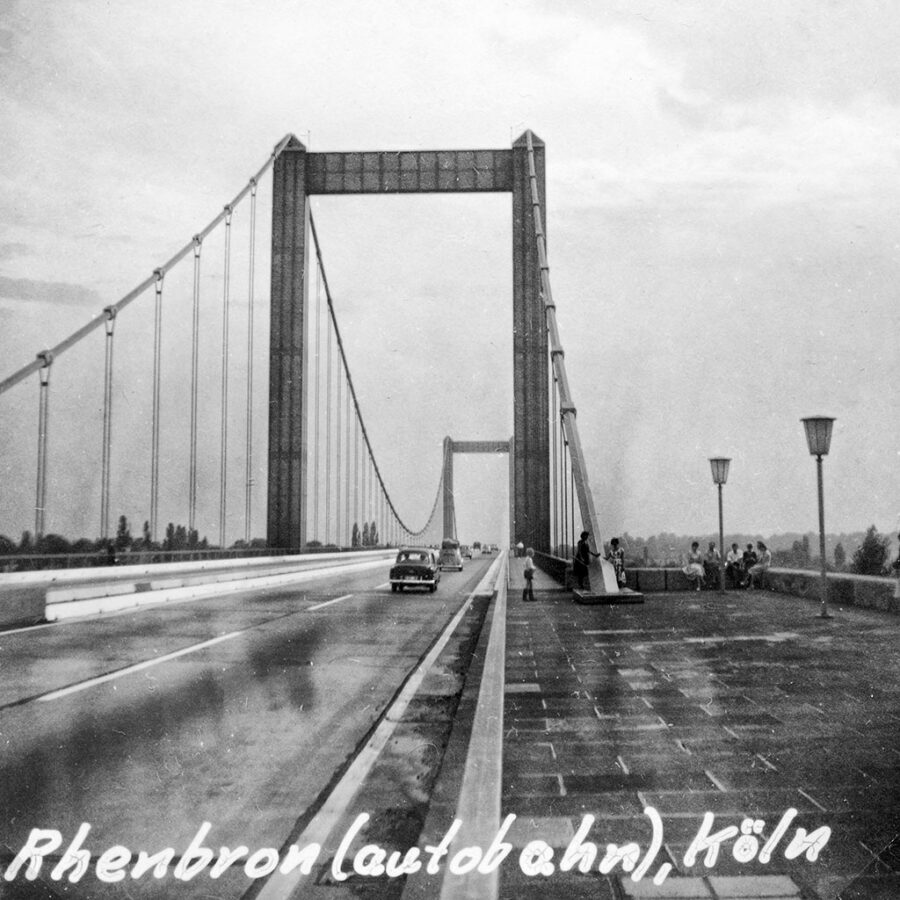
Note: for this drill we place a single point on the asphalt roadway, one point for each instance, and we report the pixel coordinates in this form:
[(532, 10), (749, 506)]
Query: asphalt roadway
[(240, 711)]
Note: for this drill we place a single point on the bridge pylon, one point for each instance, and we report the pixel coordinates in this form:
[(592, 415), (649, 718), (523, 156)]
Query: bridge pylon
[(298, 174)]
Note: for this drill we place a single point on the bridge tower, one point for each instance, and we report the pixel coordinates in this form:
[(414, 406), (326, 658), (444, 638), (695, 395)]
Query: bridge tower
[(297, 175), (452, 447)]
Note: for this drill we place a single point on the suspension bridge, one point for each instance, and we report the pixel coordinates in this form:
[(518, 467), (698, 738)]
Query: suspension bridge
[(282, 725), (260, 700), (324, 484)]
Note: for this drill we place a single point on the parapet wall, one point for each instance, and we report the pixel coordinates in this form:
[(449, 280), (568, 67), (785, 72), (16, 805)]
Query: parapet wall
[(864, 591)]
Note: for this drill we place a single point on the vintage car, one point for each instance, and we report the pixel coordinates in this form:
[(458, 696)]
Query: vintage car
[(450, 557), (415, 567)]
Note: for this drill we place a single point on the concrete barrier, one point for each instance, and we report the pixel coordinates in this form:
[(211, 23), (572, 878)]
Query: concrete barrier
[(844, 589), (30, 597)]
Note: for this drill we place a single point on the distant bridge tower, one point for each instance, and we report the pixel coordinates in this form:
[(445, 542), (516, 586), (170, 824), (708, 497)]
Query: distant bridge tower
[(452, 447), (297, 175)]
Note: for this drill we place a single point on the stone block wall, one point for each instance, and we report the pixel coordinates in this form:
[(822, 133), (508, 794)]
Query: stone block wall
[(864, 591)]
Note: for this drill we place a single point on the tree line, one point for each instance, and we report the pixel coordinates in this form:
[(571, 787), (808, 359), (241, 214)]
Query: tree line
[(870, 553), (177, 537)]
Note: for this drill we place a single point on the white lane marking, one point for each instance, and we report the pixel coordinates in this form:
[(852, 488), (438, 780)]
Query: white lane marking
[(328, 603), (381, 587), (812, 800), (719, 785), (84, 685)]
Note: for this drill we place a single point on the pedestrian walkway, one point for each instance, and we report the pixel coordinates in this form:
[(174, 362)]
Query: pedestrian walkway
[(743, 717), (543, 584)]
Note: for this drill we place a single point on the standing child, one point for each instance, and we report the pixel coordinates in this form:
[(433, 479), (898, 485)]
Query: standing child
[(528, 572)]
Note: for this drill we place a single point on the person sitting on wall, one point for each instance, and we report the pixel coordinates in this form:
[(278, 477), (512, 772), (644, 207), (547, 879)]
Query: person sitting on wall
[(734, 566), (749, 561), (895, 568), (711, 566), (758, 570), (694, 569)]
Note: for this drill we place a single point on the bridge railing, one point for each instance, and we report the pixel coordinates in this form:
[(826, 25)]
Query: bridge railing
[(34, 562)]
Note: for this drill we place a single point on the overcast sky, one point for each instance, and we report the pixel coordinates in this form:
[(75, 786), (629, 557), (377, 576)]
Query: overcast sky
[(722, 224)]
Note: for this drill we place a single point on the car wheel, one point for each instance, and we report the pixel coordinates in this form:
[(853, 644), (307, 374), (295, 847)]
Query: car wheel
[(393, 588), (432, 588)]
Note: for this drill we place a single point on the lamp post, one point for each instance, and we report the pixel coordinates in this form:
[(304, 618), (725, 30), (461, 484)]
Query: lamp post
[(719, 466), (818, 438)]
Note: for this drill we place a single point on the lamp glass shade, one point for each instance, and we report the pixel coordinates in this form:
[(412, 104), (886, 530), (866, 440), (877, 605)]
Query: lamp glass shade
[(818, 434), (719, 466)]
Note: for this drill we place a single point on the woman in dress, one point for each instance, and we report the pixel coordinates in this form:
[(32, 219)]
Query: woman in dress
[(694, 567), (617, 557)]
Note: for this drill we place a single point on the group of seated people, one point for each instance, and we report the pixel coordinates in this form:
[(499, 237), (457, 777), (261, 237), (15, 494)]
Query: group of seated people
[(742, 569)]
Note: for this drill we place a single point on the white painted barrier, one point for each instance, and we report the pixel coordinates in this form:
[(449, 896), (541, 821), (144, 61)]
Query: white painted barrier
[(65, 594)]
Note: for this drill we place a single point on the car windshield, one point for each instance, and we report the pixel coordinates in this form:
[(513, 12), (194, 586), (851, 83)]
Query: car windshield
[(412, 556)]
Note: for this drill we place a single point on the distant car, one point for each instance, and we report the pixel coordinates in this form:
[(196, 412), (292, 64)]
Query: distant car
[(466, 551), (485, 550), (415, 567), (450, 557)]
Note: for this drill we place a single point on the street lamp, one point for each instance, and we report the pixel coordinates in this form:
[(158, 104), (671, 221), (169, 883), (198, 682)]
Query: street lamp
[(818, 437), (719, 466)]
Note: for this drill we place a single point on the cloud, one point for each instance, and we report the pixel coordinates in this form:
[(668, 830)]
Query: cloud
[(14, 249), (30, 290)]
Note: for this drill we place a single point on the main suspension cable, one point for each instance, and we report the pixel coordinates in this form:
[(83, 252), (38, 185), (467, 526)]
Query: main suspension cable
[(567, 409), (132, 295), (352, 390)]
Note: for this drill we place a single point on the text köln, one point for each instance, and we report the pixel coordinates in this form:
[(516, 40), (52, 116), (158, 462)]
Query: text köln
[(537, 858)]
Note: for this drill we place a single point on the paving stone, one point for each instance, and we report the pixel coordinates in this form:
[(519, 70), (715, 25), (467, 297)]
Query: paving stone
[(557, 831), (753, 886), (524, 688), (534, 784), (683, 888)]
